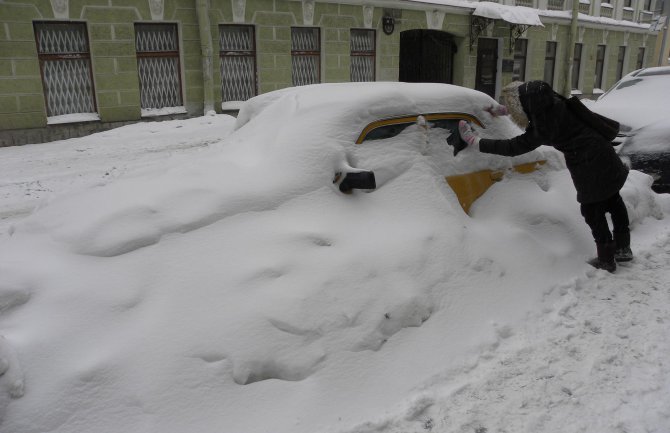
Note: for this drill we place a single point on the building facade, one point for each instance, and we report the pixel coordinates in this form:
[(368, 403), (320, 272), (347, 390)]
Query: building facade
[(70, 67)]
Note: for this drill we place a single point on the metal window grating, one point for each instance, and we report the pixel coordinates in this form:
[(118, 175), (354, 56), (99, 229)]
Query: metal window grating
[(520, 53), (576, 65), (620, 62), (600, 62), (639, 62), (238, 62), (550, 62), (65, 65), (305, 55), (157, 49), (556, 5), (363, 53)]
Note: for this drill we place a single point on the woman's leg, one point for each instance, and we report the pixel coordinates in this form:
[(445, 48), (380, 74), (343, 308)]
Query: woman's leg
[(620, 221), (594, 215)]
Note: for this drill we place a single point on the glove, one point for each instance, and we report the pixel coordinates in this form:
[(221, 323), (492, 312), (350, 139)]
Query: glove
[(467, 134), (499, 110)]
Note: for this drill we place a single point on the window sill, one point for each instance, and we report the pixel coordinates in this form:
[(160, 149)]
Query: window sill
[(73, 118), (165, 111), (231, 105)]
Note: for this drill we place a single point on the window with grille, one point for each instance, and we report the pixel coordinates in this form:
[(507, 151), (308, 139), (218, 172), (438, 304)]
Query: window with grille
[(520, 53), (647, 5), (627, 3), (363, 53), (305, 55), (65, 63), (238, 62), (620, 62), (576, 65), (550, 62), (640, 58), (157, 49), (600, 61)]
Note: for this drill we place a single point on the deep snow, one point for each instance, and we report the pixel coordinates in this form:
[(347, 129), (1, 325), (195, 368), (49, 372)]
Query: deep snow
[(129, 301)]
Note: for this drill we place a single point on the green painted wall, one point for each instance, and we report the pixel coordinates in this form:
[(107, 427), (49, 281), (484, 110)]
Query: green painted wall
[(22, 98), (110, 25)]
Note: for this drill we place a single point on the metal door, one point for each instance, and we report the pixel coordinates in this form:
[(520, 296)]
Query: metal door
[(426, 56), (487, 66)]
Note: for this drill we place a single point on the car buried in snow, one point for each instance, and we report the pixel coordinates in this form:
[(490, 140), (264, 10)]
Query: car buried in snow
[(378, 121), (639, 103)]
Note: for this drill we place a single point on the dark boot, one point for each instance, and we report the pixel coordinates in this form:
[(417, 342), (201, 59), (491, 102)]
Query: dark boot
[(605, 259), (622, 252)]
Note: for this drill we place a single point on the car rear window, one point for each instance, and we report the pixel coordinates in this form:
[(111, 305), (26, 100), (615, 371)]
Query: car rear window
[(389, 128), (389, 131)]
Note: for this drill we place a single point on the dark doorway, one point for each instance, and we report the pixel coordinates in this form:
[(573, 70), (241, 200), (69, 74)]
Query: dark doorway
[(487, 66), (426, 56)]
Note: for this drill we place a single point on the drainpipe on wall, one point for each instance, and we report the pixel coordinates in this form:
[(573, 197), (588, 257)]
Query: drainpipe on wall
[(572, 37), (202, 9), (665, 13)]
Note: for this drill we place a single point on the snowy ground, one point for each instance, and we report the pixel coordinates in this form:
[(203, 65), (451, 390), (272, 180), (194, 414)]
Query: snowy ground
[(36, 172), (391, 311)]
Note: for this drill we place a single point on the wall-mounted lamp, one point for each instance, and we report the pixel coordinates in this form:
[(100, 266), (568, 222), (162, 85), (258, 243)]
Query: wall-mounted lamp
[(388, 24)]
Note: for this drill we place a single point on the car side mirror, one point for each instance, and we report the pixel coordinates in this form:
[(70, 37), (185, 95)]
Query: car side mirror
[(358, 180)]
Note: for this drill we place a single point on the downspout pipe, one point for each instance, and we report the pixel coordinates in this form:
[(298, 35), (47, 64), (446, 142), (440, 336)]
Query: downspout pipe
[(202, 10), (572, 37)]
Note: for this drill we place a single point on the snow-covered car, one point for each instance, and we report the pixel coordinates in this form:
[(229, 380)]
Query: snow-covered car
[(639, 103), (366, 118), (204, 289)]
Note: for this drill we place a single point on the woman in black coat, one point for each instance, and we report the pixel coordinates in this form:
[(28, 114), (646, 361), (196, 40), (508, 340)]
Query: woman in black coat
[(596, 170)]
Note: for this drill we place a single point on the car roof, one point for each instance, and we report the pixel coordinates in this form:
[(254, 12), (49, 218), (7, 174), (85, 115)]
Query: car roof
[(646, 72), (369, 101), (340, 112)]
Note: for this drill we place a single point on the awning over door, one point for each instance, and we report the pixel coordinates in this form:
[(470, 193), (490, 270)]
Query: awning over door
[(512, 14), (519, 18)]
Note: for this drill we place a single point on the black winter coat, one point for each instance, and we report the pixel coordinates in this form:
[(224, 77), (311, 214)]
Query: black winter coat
[(595, 168)]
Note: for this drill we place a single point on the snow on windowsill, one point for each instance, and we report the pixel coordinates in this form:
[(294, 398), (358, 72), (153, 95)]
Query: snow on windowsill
[(231, 105), (585, 2), (606, 5), (155, 112), (598, 91), (576, 92), (73, 118), (627, 8)]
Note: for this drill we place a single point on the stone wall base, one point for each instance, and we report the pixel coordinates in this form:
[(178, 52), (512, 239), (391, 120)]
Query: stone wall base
[(18, 137)]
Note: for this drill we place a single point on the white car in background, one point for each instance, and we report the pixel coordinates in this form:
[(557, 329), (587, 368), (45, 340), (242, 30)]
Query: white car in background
[(639, 102)]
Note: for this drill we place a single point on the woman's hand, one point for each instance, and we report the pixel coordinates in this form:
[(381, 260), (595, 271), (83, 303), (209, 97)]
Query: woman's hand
[(467, 134)]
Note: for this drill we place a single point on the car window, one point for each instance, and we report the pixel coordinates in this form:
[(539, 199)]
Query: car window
[(628, 83), (387, 128), (450, 125), (387, 131)]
